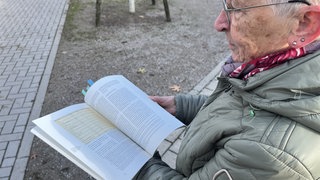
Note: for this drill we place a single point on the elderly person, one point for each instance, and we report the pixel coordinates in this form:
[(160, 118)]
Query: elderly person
[(263, 119)]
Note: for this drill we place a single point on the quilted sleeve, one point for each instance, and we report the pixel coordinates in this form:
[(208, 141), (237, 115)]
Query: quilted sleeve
[(188, 106)]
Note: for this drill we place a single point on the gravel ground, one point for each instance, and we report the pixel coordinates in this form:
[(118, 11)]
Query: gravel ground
[(149, 51)]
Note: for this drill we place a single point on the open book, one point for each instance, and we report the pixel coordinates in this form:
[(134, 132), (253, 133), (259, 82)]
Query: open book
[(113, 134)]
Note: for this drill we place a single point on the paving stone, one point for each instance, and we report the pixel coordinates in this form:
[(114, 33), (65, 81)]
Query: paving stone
[(12, 149), (31, 96), (15, 89), (175, 146), (2, 155), (12, 77), (23, 72), (19, 168), (170, 158), (24, 78), (206, 92), (5, 109), (14, 96), (4, 118), (164, 147), (212, 85), (37, 73), (26, 84), (26, 142), (29, 89), (173, 136), (31, 69), (28, 104), (20, 110), (3, 145), (4, 93), (18, 129), (22, 119), (2, 81), (36, 80), (5, 172), (8, 162), (12, 83), (10, 137), (18, 103), (8, 127)]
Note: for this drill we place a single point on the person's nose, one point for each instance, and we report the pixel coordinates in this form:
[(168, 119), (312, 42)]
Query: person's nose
[(221, 23)]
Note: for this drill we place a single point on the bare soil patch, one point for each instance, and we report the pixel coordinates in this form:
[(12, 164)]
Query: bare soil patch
[(181, 53)]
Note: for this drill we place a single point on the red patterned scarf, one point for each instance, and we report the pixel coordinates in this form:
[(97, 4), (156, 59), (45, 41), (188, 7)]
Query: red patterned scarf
[(264, 63)]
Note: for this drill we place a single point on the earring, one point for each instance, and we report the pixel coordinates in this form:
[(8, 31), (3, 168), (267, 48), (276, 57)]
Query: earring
[(294, 43), (302, 39)]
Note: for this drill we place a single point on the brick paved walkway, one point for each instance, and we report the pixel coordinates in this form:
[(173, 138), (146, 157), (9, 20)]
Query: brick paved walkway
[(29, 35)]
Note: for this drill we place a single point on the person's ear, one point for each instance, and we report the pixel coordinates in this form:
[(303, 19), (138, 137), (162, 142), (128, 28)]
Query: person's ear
[(307, 28)]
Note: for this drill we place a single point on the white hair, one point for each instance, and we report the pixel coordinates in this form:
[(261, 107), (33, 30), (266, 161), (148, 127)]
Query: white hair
[(289, 10)]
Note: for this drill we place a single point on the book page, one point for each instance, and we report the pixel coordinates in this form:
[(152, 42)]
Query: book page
[(85, 124), (131, 110), (62, 150), (95, 142)]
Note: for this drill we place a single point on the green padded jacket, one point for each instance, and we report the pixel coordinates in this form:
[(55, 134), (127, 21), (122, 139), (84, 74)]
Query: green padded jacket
[(267, 127)]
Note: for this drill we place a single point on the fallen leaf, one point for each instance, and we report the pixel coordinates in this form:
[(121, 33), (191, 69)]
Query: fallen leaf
[(141, 70), (175, 88)]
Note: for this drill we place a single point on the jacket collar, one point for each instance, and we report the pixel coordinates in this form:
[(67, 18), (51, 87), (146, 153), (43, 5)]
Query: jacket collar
[(291, 90)]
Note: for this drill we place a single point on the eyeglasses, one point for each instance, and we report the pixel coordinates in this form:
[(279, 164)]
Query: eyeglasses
[(227, 10)]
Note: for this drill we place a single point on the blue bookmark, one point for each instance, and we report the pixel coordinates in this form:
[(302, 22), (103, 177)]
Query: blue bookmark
[(90, 82)]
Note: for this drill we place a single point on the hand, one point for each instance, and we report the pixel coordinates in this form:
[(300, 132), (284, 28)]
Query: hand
[(167, 102)]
